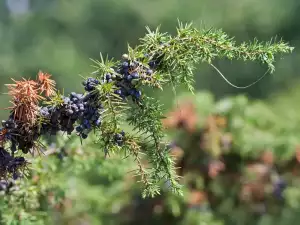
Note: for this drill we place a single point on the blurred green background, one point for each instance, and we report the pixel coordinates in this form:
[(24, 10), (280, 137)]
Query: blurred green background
[(60, 36)]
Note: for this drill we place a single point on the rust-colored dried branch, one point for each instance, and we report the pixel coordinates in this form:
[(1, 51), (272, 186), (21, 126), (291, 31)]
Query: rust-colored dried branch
[(47, 85), (26, 95), (25, 98)]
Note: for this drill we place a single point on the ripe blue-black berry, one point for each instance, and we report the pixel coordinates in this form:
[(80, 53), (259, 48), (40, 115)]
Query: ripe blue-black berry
[(135, 75)]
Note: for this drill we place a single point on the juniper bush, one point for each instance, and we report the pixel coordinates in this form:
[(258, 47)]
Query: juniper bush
[(113, 94)]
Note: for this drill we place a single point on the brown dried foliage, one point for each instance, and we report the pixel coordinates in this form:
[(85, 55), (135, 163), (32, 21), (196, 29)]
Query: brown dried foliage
[(184, 116), (25, 98), (26, 95), (47, 85), (197, 198)]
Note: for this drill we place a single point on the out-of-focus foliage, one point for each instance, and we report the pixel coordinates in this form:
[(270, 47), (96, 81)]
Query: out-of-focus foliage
[(239, 164), (239, 161), (70, 183)]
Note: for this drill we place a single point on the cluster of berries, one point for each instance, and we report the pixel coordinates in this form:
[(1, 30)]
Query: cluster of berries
[(51, 116), (14, 132), (10, 164), (127, 76), (90, 118), (77, 108), (77, 112), (90, 84), (8, 127)]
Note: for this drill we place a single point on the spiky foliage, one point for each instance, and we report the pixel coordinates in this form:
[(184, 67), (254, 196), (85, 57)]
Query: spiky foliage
[(177, 56), (172, 60), (25, 98), (46, 84), (26, 95), (114, 96)]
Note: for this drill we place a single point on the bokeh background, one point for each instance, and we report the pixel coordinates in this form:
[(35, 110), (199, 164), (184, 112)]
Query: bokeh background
[(60, 37)]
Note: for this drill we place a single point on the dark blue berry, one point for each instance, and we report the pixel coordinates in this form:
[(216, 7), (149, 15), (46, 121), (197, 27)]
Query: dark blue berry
[(118, 136), (118, 92), (138, 94), (149, 72), (135, 75), (129, 77), (79, 128), (88, 125), (8, 136), (152, 64), (98, 122), (16, 175), (84, 136), (125, 65), (70, 112)]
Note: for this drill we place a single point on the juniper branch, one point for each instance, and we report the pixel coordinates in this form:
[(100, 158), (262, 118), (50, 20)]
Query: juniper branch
[(159, 59), (179, 54), (147, 119)]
